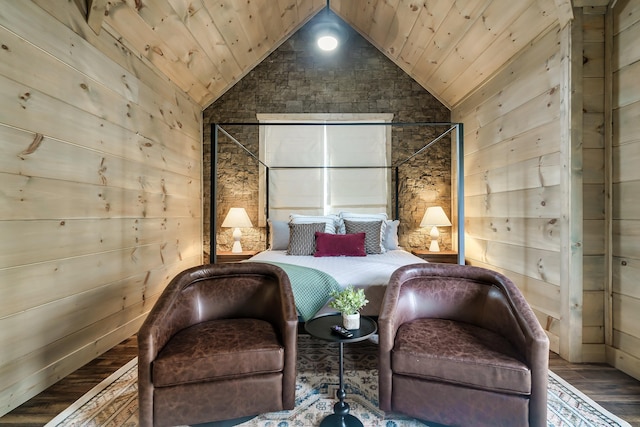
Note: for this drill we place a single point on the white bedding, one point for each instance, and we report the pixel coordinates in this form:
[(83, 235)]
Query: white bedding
[(363, 271)]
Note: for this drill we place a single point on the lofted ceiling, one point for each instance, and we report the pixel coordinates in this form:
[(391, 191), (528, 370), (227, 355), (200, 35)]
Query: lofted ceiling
[(449, 47)]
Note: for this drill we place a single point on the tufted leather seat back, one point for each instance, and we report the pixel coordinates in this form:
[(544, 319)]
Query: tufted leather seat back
[(469, 300)]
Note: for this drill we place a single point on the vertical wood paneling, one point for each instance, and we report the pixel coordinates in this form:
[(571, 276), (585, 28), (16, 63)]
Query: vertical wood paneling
[(100, 193), (571, 241), (624, 352), (593, 176)]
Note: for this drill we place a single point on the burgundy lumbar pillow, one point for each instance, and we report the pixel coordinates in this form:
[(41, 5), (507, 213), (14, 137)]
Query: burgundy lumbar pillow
[(328, 244)]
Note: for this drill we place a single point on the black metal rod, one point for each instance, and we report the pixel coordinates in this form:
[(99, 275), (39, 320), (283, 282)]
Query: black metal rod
[(442, 135), (397, 188), (241, 146), (431, 124), (213, 203), (266, 203), (460, 176), (329, 167)]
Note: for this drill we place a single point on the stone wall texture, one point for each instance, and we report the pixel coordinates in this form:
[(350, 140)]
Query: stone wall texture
[(357, 78)]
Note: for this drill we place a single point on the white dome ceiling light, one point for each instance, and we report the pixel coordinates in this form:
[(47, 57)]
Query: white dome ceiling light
[(327, 42)]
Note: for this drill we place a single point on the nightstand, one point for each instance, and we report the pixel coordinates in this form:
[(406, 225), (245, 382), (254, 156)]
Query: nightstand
[(443, 257), (228, 256)]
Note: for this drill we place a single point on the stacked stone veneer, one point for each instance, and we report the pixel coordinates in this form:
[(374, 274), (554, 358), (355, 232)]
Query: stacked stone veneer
[(297, 78)]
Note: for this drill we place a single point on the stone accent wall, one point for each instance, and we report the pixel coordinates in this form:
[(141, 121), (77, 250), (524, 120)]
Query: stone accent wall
[(298, 78)]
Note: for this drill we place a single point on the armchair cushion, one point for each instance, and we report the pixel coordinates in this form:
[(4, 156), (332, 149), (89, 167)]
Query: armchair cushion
[(459, 353), (219, 349)]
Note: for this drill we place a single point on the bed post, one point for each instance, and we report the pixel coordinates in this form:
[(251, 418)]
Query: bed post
[(213, 204), (266, 202), (397, 204), (460, 188)]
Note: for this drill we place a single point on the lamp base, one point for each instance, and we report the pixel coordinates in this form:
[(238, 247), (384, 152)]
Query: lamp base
[(435, 234), (237, 247)]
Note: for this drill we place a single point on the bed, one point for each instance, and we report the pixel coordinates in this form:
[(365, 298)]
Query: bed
[(354, 249), (371, 272)]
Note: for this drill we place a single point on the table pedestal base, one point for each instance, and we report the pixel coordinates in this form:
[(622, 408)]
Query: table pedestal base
[(336, 420), (320, 327)]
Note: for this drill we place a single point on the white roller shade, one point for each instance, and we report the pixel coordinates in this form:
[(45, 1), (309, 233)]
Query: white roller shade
[(364, 188), (324, 168)]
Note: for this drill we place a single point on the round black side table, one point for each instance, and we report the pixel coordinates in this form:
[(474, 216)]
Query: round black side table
[(320, 327)]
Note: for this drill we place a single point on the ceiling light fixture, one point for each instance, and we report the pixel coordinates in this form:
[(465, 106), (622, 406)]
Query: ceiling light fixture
[(327, 43)]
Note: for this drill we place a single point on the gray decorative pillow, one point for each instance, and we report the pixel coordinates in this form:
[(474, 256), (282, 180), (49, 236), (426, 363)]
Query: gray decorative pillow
[(372, 243), (302, 238)]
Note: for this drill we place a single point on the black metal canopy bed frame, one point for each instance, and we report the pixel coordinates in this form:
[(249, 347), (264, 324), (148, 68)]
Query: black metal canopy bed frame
[(223, 129)]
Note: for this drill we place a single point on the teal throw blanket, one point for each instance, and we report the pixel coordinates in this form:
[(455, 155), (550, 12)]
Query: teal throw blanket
[(311, 288)]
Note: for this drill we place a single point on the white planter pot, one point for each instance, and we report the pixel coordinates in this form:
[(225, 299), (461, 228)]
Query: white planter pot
[(351, 321)]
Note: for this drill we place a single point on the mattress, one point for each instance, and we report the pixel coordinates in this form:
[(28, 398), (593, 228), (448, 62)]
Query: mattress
[(371, 272), (356, 271)]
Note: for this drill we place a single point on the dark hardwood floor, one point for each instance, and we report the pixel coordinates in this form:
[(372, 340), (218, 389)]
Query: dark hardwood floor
[(45, 406), (612, 389)]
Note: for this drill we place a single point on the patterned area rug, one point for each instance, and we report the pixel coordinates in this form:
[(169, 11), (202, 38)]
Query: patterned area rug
[(114, 402)]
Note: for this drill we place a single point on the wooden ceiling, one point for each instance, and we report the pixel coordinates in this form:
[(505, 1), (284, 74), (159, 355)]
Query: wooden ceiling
[(449, 47)]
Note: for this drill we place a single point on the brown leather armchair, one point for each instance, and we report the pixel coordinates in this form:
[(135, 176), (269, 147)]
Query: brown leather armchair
[(219, 344), (460, 346)]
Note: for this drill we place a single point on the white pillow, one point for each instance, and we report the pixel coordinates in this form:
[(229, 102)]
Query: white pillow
[(278, 235), (390, 240), (331, 221)]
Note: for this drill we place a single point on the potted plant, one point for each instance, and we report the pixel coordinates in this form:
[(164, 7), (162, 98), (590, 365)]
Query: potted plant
[(349, 301)]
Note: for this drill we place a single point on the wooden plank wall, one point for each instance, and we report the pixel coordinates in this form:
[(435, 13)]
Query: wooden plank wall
[(513, 167), (592, 24), (624, 350), (100, 192)]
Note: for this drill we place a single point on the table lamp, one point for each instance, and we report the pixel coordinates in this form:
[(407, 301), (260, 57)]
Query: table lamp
[(237, 218), (435, 217)]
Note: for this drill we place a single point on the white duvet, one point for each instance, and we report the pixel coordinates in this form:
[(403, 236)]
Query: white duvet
[(357, 271)]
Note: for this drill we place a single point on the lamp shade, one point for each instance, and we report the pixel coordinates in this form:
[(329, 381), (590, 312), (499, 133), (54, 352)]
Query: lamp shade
[(435, 216), (237, 218)]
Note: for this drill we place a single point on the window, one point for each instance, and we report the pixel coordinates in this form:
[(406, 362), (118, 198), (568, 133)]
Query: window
[(326, 164)]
